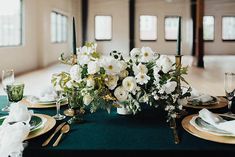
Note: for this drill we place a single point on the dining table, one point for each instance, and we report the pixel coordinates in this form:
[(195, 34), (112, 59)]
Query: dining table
[(109, 134)]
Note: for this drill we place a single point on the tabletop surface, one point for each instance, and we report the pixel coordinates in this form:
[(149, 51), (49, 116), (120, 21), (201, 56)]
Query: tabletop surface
[(102, 132)]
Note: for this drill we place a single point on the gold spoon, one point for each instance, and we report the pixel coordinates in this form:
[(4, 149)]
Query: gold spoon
[(64, 130)]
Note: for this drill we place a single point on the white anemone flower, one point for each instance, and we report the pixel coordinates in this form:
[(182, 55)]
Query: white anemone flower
[(111, 81), (146, 54), (111, 66), (140, 68), (121, 94), (75, 73), (135, 53), (129, 84), (93, 67), (142, 78)]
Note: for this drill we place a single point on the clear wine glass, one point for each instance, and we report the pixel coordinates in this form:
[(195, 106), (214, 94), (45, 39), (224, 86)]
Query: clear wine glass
[(59, 100), (229, 86), (8, 78)]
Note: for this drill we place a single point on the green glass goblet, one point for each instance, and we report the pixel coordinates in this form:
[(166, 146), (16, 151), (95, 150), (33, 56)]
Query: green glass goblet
[(15, 91)]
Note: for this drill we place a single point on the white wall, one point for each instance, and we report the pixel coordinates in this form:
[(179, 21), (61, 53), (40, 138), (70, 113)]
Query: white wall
[(118, 9), (37, 50), (162, 8), (218, 8)]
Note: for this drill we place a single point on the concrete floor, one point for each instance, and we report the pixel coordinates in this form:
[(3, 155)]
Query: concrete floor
[(208, 80)]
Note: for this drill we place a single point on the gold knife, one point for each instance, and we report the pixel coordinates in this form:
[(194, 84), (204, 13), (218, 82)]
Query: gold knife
[(56, 130)]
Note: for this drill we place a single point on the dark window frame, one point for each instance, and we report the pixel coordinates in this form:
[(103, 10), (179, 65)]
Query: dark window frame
[(226, 40), (56, 27), (111, 28), (171, 16), (149, 40)]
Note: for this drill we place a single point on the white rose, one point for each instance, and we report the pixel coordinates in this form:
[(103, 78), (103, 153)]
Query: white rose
[(123, 74), (129, 84), (170, 86), (90, 82), (93, 67), (87, 99), (165, 63), (111, 81), (121, 94), (75, 73)]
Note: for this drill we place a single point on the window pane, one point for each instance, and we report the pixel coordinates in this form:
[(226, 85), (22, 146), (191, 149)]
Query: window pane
[(103, 27), (10, 22), (53, 27), (228, 28), (148, 27), (208, 27), (58, 27), (171, 28)]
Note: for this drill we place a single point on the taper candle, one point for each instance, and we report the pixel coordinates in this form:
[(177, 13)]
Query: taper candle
[(179, 38), (74, 38)]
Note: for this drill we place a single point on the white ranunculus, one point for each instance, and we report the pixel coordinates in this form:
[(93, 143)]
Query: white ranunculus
[(165, 63), (135, 53), (93, 67), (140, 68), (129, 84), (87, 99), (75, 73), (90, 82), (111, 81), (121, 94), (146, 54), (111, 65), (169, 87), (142, 78), (123, 74)]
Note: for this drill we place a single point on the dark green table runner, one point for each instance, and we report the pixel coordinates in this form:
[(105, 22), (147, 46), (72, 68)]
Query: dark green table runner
[(112, 134)]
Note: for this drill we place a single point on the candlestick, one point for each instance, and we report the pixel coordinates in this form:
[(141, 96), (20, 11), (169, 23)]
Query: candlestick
[(179, 38), (74, 37)]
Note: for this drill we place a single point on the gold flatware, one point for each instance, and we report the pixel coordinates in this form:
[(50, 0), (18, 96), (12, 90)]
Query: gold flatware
[(64, 130), (56, 130), (175, 133)]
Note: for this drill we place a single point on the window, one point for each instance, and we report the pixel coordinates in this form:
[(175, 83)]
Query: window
[(228, 28), (58, 27), (208, 27), (103, 27), (148, 27), (171, 27), (10, 22)]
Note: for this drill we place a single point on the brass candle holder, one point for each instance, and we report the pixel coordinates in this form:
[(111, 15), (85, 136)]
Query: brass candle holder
[(173, 125)]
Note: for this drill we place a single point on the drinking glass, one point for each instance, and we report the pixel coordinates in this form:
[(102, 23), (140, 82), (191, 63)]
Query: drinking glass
[(59, 100), (7, 79), (229, 86), (15, 91)]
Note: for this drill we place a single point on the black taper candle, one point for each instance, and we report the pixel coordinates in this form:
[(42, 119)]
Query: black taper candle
[(74, 38), (179, 38)]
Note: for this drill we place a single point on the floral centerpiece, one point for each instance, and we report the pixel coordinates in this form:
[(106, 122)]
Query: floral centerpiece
[(141, 78)]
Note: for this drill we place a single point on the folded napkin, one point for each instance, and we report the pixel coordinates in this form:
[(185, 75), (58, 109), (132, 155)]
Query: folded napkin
[(217, 121), (200, 97), (13, 134)]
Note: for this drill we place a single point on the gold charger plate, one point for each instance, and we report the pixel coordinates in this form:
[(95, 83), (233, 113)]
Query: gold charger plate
[(204, 135), (31, 105), (222, 102), (49, 124)]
